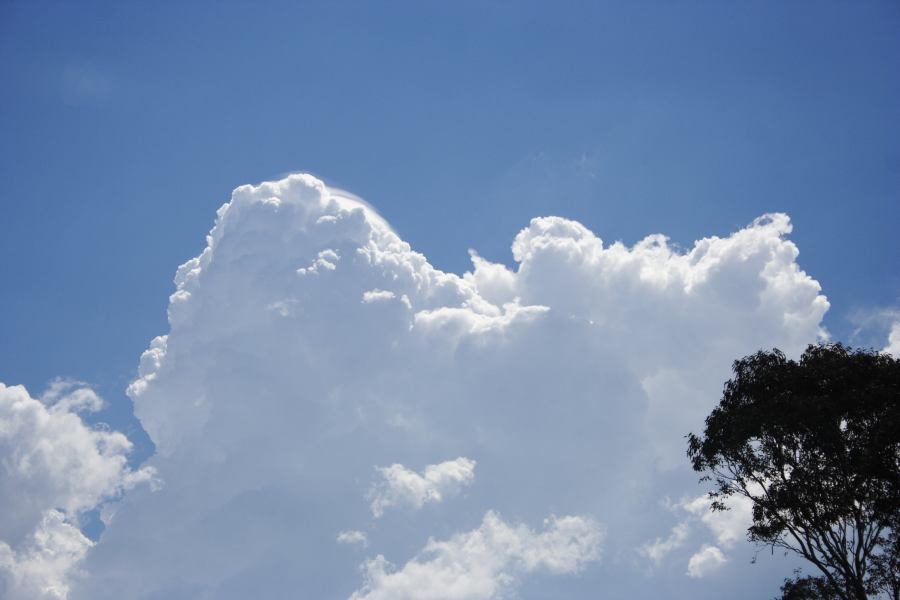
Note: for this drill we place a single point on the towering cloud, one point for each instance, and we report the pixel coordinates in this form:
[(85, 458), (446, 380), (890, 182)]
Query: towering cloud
[(310, 345)]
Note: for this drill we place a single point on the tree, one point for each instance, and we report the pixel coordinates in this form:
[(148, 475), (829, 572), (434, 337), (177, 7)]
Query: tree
[(815, 445), (807, 588)]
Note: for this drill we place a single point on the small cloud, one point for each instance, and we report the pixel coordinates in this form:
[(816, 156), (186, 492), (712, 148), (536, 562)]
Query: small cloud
[(657, 550), (284, 308), (67, 395), (704, 562), (728, 526), (353, 538), (377, 295), (401, 486)]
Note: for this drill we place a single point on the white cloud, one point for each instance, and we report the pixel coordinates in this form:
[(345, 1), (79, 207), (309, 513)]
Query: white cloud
[(486, 562), (658, 549), (353, 538), (705, 561), (71, 396), (53, 469), (327, 260), (46, 562), (400, 486), (727, 526), (572, 377), (376, 295), (893, 345)]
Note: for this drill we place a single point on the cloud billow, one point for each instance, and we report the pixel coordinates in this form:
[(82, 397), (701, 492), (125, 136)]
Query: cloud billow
[(54, 469), (310, 345)]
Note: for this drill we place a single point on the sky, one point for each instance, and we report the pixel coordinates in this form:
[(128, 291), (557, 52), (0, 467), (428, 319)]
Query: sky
[(350, 405)]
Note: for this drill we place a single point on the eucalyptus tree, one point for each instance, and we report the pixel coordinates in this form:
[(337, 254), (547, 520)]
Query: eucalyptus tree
[(815, 445)]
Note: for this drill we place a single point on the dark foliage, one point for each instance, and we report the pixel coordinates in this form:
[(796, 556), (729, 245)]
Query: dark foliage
[(808, 588), (815, 445)]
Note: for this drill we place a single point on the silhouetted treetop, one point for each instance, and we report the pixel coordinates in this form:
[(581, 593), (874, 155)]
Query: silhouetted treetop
[(815, 444)]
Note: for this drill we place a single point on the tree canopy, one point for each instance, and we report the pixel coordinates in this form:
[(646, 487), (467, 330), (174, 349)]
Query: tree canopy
[(815, 444)]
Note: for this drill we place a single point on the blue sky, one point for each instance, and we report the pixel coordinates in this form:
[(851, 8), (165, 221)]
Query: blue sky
[(123, 127)]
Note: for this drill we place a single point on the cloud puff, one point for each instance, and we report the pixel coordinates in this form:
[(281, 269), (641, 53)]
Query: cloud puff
[(727, 526), (353, 537), (705, 561), (400, 486), (371, 296), (657, 550), (484, 563), (53, 470), (572, 377), (326, 261)]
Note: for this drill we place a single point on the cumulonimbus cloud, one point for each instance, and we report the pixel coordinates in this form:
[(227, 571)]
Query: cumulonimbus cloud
[(309, 342)]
